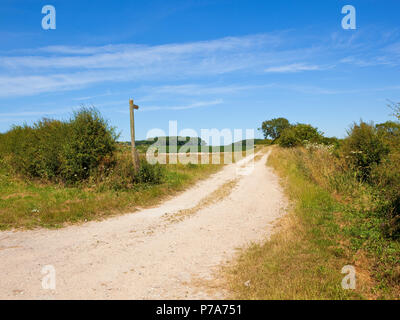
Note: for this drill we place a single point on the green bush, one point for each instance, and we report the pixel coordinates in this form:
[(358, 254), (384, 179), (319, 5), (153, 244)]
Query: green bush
[(386, 178), (118, 173), (90, 140), (363, 149), (150, 173), (299, 135), (35, 151), (373, 153), (389, 132), (60, 151)]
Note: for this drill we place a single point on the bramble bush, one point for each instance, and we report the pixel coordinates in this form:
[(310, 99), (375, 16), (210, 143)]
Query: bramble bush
[(299, 135), (90, 140), (118, 173), (60, 151), (82, 149), (364, 149), (364, 165), (36, 151)]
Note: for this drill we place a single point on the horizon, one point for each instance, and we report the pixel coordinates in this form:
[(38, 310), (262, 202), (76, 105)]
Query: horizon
[(246, 64)]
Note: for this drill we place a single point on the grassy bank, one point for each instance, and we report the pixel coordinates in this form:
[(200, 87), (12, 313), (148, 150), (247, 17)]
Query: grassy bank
[(54, 173), (323, 231), (29, 203)]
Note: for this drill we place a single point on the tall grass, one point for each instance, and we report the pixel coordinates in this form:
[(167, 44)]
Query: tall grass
[(30, 203), (336, 220)]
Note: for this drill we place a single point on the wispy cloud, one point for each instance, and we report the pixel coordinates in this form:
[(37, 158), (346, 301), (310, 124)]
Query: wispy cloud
[(199, 104), (295, 67), (132, 55), (27, 114), (60, 68), (108, 93), (193, 90)]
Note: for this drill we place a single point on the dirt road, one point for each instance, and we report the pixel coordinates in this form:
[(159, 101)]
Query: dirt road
[(165, 252)]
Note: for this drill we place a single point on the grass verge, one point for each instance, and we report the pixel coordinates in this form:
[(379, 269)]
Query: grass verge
[(312, 243), (28, 203)]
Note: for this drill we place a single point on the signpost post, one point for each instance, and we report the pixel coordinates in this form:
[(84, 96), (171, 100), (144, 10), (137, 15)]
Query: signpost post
[(135, 155)]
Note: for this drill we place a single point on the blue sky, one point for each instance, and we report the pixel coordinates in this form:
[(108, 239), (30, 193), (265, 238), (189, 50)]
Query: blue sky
[(207, 64)]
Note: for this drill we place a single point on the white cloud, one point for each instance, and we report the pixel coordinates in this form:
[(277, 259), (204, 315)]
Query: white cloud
[(295, 67), (185, 107), (132, 55), (157, 92), (59, 68)]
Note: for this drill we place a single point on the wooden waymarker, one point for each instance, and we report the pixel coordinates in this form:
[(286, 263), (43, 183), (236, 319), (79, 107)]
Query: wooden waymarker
[(135, 155)]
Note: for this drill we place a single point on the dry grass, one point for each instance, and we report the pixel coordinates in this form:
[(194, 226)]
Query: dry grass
[(29, 203), (214, 197), (304, 258)]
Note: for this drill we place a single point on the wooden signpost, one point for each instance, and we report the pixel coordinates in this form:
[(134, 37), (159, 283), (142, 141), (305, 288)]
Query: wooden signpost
[(135, 155)]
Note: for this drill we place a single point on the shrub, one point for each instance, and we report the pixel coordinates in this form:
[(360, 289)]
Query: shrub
[(386, 177), (363, 149), (150, 173), (300, 134), (90, 140), (36, 151), (389, 132), (396, 109), (118, 173), (60, 151)]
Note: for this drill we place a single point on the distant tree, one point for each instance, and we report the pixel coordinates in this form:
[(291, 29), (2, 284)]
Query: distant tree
[(389, 132), (390, 128), (300, 134), (273, 128), (396, 109)]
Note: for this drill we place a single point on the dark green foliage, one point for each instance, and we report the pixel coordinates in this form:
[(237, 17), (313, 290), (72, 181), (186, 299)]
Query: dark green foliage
[(369, 155), (118, 173), (388, 128), (300, 134), (396, 109), (81, 149), (373, 153), (273, 128), (288, 135), (364, 149), (36, 151), (60, 151), (333, 141), (386, 178), (90, 140), (389, 132), (149, 173)]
